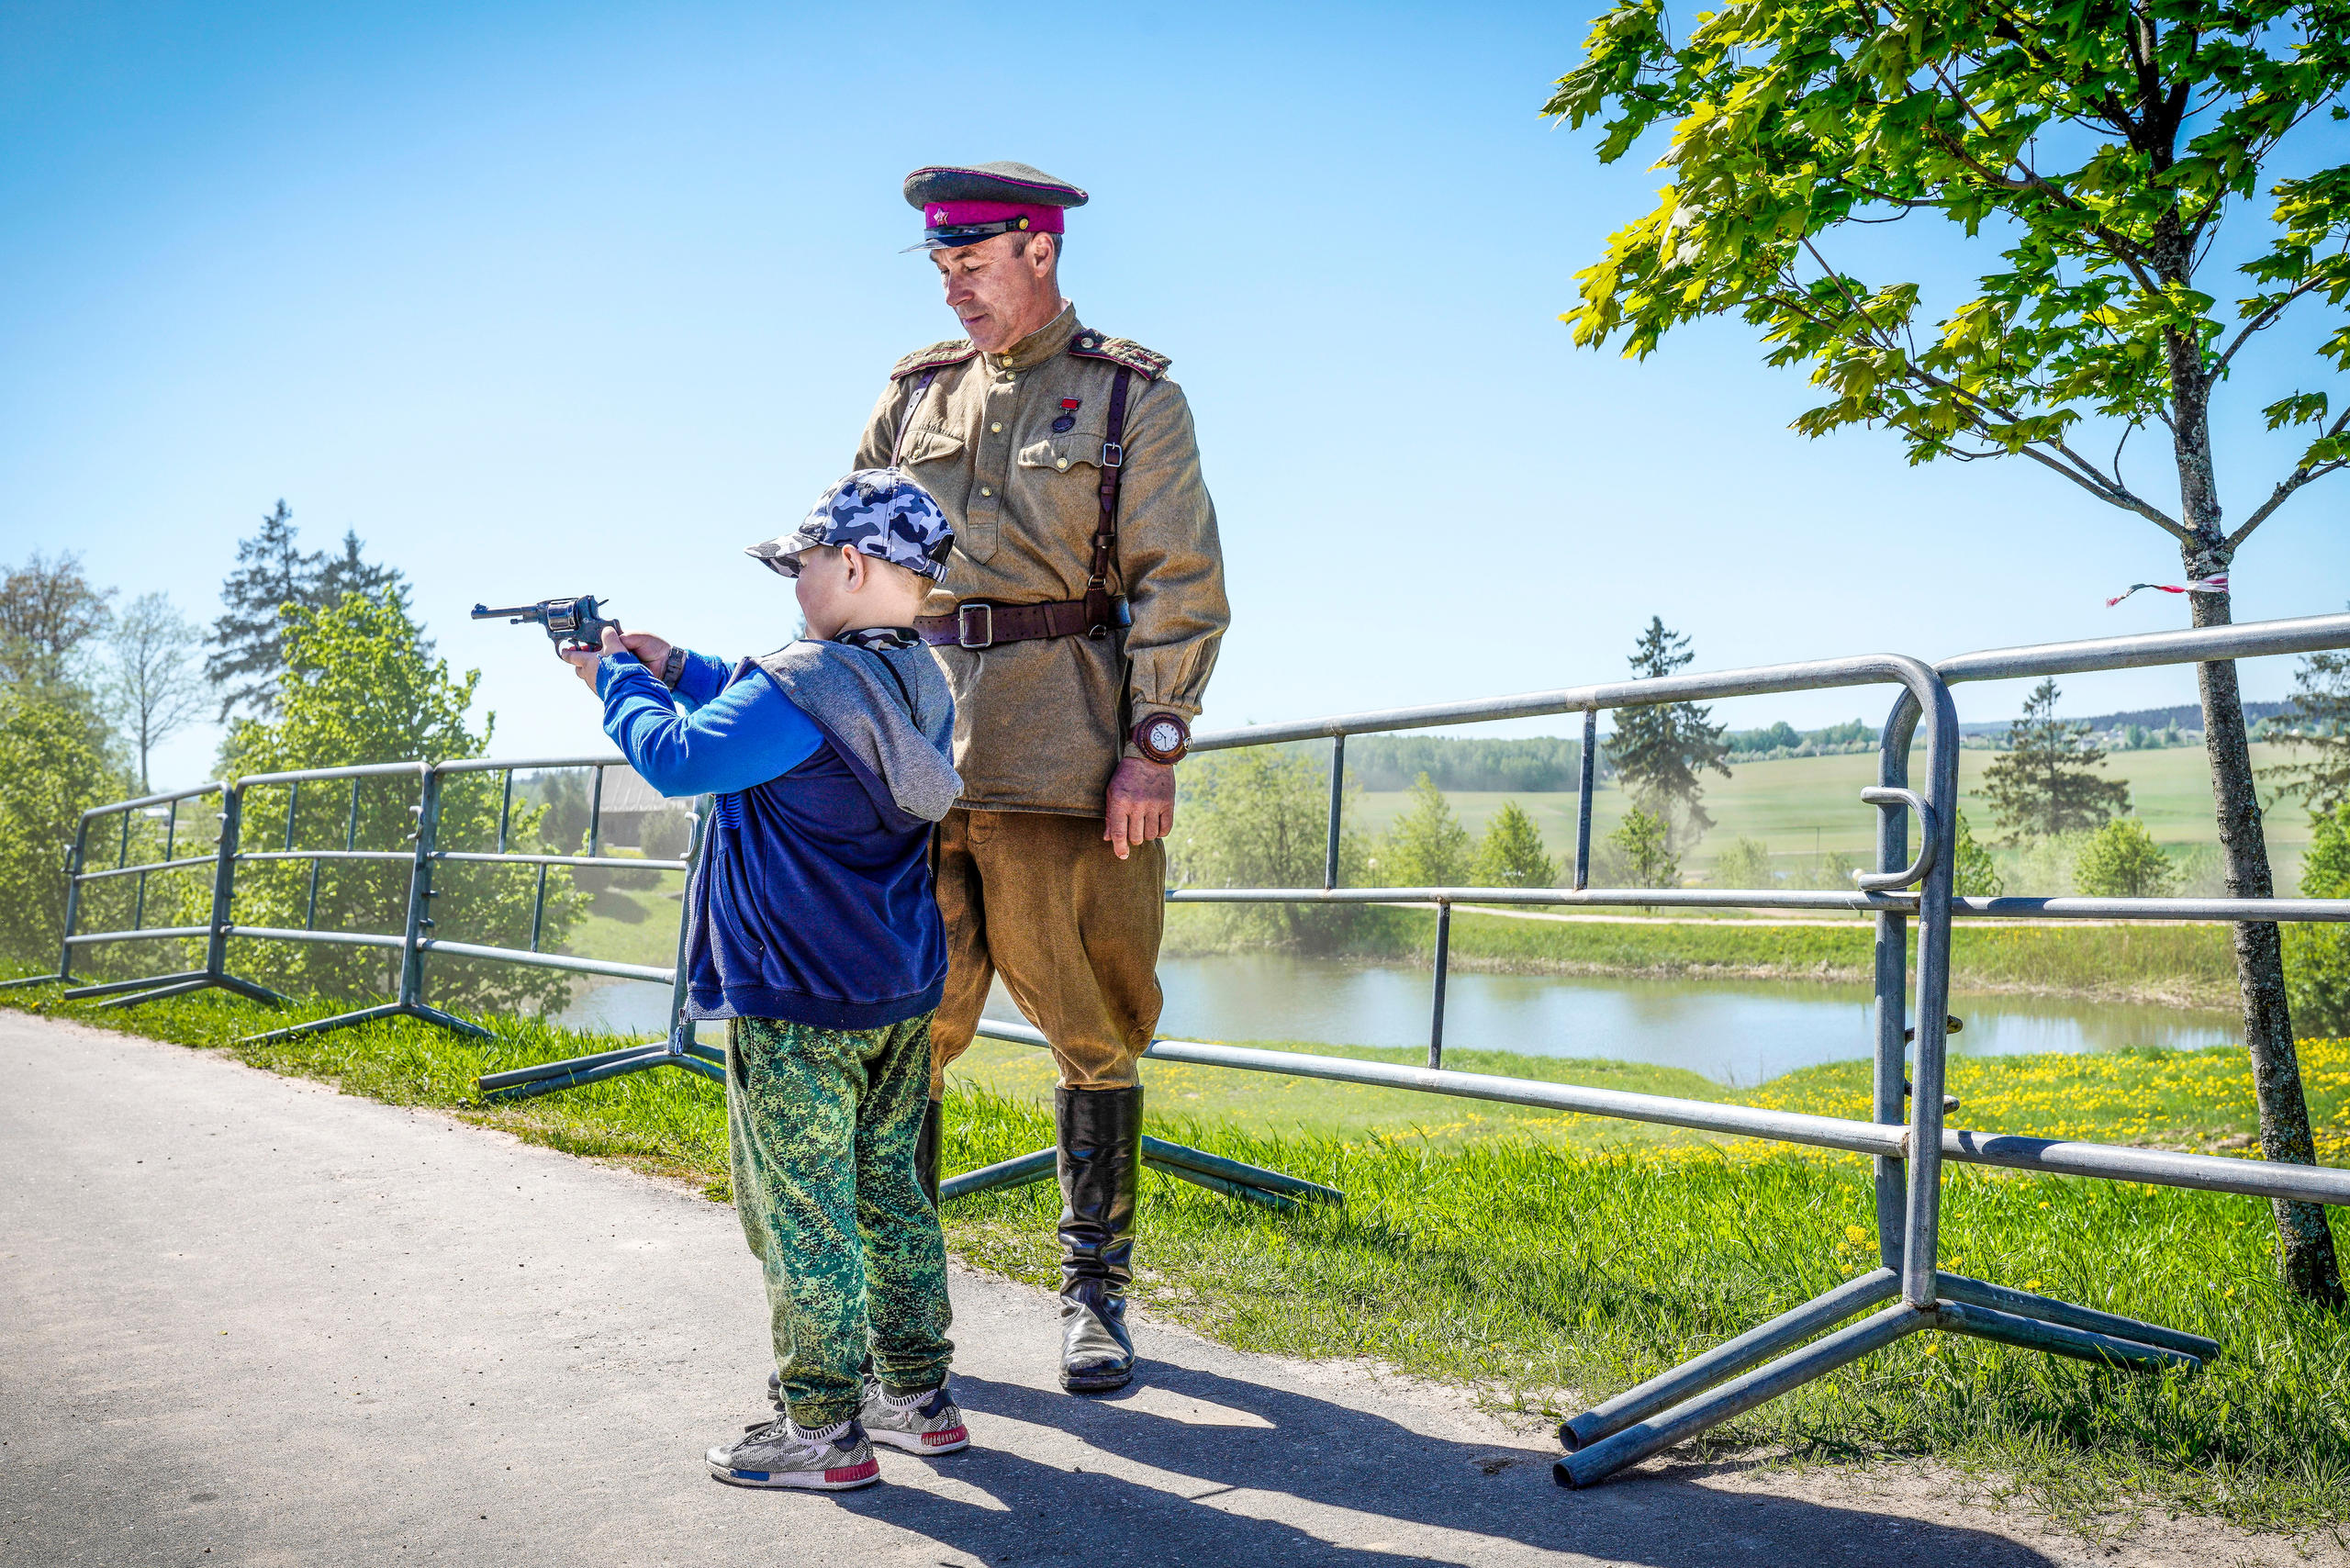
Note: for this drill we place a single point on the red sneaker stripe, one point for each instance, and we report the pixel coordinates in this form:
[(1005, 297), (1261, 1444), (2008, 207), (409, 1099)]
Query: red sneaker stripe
[(853, 1472), (951, 1434)]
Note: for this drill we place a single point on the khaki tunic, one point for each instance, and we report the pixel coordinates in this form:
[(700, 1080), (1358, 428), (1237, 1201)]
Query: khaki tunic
[(1040, 725)]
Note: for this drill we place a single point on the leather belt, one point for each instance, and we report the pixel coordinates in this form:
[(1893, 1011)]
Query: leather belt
[(978, 624)]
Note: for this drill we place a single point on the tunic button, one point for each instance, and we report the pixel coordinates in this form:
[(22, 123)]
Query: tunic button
[(1060, 463), (985, 491), (998, 428)]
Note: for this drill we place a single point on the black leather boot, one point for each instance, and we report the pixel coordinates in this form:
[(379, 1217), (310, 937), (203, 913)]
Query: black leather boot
[(926, 1149), (1100, 1156)]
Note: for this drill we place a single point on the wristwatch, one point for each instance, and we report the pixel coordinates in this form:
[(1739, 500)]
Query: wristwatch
[(673, 667), (1163, 738)]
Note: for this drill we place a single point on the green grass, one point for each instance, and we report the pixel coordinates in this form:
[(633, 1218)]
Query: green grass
[(1548, 1260), (629, 927), (1782, 802)]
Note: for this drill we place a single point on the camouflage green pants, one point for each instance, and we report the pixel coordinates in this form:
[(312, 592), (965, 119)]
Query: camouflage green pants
[(821, 1125)]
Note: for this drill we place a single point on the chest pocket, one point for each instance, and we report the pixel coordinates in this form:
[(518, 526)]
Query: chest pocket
[(1065, 454), (936, 458)]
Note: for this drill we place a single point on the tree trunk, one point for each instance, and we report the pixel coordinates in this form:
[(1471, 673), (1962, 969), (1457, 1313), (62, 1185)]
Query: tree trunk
[(2305, 1259)]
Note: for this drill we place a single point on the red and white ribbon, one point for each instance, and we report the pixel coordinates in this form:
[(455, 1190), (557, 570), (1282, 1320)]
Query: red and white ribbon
[(2201, 585)]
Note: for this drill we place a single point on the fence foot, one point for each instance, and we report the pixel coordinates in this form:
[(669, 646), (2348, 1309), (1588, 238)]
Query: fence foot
[(1232, 1178), (1685, 1420), (115, 988), (1750, 1349), (1017, 1172), (448, 1021), (253, 990), (243, 988), (680, 1050), (2066, 1314), (1252, 1181), (1676, 1406)]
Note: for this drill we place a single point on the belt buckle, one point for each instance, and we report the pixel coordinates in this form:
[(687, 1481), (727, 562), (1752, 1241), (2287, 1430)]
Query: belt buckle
[(962, 626), (1113, 455)]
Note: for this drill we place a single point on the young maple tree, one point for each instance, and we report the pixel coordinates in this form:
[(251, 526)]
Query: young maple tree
[(2098, 145)]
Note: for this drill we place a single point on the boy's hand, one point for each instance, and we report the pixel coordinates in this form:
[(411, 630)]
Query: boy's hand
[(1139, 805), (650, 651), (585, 660)]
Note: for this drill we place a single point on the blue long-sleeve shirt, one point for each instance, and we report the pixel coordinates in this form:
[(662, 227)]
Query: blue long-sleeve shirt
[(810, 899), (733, 734)]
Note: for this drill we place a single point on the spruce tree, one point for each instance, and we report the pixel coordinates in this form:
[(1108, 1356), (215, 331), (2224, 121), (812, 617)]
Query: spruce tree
[(1659, 751), (248, 659), (2044, 782), (2317, 726)]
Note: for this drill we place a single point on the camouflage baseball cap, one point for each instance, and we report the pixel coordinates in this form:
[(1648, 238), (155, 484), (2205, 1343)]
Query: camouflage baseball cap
[(881, 512)]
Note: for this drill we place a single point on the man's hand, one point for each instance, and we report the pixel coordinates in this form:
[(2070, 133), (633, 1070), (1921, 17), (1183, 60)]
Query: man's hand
[(585, 660), (1139, 805)]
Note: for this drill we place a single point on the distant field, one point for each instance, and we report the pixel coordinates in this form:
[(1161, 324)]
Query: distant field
[(1783, 803)]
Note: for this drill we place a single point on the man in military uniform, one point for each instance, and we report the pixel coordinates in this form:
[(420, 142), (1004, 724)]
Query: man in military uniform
[(1077, 625)]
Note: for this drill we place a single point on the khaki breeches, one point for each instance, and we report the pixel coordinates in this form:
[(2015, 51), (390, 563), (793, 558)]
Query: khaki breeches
[(1043, 901)]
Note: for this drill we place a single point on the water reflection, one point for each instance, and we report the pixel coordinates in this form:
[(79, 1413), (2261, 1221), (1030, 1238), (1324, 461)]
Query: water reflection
[(1735, 1032)]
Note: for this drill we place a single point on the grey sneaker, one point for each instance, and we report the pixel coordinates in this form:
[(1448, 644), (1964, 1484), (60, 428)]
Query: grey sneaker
[(777, 1453), (927, 1423)]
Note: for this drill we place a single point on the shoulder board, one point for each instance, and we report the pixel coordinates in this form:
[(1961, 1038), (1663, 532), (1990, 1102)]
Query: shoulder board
[(1120, 351), (953, 351)]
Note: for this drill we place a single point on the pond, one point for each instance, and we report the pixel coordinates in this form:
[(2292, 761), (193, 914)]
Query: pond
[(1736, 1032)]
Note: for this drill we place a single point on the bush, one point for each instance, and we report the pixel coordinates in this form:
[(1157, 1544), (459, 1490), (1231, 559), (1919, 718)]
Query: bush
[(2122, 860), (1510, 854), (1974, 874), (56, 759), (1745, 864), (2317, 957), (1427, 847), (1643, 840)]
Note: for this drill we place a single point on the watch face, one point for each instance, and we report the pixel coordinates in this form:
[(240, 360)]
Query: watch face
[(1164, 734)]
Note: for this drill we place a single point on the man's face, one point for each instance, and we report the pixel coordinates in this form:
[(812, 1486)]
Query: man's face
[(1000, 297)]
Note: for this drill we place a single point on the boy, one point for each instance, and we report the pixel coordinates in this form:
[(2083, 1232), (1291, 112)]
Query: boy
[(814, 933)]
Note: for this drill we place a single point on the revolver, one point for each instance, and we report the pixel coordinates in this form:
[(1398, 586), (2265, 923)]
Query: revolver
[(576, 623)]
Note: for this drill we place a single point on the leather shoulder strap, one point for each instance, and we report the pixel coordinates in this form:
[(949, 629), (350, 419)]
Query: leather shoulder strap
[(1105, 533), (906, 420)]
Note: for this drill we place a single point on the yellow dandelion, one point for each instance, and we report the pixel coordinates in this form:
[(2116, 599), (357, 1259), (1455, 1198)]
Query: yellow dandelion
[(1855, 1235)]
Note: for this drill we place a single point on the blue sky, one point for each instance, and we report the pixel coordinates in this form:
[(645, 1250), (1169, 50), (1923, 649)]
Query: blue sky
[(555, 299)]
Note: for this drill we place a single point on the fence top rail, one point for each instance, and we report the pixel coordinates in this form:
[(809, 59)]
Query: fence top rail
[(500, 765), (1864, 669), (355, 770), (165, 799), (2253, 639)]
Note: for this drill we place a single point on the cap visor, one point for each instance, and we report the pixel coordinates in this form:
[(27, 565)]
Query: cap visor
[(782, 564)]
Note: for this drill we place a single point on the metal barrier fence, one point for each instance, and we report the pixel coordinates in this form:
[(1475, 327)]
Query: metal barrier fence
[(1906, 1134)]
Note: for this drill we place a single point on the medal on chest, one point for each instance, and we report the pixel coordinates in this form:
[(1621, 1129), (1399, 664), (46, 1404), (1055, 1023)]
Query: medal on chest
[(1067, 421)]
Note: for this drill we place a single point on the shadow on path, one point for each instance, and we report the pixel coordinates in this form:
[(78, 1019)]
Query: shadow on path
[(1439, 1500)]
